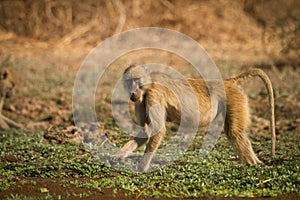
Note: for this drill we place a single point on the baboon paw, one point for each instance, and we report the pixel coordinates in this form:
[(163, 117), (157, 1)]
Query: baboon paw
[(254, 161), (142, 168), (119, 156)]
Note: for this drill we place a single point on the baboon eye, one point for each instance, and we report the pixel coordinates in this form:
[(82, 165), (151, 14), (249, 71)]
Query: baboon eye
[(137, 81), (133, 83), (3, 75)]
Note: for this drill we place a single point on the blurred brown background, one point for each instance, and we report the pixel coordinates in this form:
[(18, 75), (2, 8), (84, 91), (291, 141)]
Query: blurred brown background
[(265, 29), (47, 41)]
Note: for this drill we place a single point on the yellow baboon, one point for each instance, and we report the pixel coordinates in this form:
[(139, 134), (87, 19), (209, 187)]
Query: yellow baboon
[(8, 81), (146, 91)]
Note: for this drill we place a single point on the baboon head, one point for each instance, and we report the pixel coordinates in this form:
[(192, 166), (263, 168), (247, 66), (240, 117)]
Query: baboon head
[(136, 80), (8, 80)]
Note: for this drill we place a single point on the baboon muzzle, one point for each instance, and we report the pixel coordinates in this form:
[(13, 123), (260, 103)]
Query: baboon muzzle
[(132, 96)]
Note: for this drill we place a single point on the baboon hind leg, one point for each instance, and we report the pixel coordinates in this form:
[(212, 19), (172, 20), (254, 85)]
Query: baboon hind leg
[(241, 144), (236, 124)]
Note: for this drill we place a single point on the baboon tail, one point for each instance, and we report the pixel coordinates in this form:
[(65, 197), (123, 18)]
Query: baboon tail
[(264, 77)]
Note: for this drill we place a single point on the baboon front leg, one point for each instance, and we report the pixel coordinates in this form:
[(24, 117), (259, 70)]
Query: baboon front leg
[(152, 146), (5, 121), (1, 104), (130, 146), (3, 124), (12, 123)]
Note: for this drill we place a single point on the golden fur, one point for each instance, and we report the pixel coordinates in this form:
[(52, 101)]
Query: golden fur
[(148, 90)]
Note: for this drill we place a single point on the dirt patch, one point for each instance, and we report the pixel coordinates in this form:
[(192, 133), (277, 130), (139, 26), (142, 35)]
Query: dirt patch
[(32, 187)]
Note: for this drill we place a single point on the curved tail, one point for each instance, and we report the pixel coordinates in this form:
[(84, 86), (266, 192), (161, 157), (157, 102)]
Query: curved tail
[(264, 77)]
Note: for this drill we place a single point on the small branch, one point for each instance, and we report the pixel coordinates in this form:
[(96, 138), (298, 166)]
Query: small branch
[(122, 17), (169, 5), (78, 32), (265, 181)]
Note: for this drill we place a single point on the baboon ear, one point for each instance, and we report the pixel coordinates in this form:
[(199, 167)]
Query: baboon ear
[(3, 74)]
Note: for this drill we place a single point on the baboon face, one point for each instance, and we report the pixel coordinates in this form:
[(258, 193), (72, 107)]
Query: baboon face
[(133, 88), (7, 82), (135, 80)]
